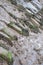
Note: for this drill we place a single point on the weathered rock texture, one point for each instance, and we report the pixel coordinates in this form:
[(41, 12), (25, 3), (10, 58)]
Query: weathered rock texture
[(21, 32)]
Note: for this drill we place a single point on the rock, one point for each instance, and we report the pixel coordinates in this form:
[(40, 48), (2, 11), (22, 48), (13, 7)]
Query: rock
[(37, 47), (24, 16), (6, 55)]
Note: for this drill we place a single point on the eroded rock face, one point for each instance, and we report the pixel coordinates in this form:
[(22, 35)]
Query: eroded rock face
[(18, 27)]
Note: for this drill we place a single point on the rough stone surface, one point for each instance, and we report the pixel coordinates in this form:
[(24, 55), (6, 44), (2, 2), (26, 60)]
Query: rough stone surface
[(26, 50)]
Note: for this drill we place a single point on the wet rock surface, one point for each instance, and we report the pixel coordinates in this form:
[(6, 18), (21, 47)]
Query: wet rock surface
[(21, 34)]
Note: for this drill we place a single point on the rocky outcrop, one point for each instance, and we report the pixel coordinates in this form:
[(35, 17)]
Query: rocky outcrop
[(19, 22)]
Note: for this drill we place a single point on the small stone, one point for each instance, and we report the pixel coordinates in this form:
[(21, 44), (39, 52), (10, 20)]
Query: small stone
[(37, 46)]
